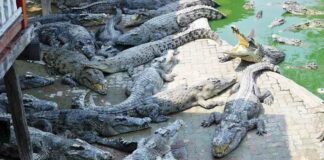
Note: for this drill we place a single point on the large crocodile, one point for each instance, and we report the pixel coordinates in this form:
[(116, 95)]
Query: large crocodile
[(248, 50), (30, 80), (295, 8), (73, 63), (167, 24), (158, 145), (174, 100), (316, 23), (284, 40), (135, 56), (69, 36), (241, 112)]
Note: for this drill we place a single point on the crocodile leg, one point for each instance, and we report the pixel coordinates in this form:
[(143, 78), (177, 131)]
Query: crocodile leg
[(152, 110), (235, 88), (215, 117), (68, 80), (208, 104), (166, 77), (265, 96), (321, 137), (224, 58), (258, 124)]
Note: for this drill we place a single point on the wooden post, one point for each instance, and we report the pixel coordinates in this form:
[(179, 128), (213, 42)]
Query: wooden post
[(18, 114), (46, 7)]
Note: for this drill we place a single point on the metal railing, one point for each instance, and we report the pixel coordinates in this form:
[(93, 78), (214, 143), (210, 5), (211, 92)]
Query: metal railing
[(9, 12)]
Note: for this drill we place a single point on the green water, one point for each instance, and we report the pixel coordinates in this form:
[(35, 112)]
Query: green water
[(312, 49)]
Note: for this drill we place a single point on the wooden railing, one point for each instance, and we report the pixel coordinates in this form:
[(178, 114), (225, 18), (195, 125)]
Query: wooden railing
[(9, 12)]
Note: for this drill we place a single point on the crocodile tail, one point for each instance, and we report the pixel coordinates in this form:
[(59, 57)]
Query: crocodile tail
[(254, 69), (188, 15)]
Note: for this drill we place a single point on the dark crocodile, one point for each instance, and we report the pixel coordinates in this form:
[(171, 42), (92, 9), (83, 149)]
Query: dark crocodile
[(315, 23), (158, 145), (167, 24), (135, 56), (69, 36), (295, 8), (175, 100), (73, 63), (29, 81), (241, 112)]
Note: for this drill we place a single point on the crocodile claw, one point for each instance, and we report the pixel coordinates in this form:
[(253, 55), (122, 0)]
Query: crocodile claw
[(261, 132), (268, 100), (205, 124)]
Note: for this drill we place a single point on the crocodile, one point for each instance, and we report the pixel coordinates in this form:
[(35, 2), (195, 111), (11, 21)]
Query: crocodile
[(248, 5), (109, 31), (73, 63), (259, 14), (248, 50), (69, 36), (241, 112), (316, 23), (308, 66), (174, 100), (46, 145), (138, 55), (167, 24), (158, 145), (31, 104), (295, 8), (284, 40), (277, 22), (29, 81)]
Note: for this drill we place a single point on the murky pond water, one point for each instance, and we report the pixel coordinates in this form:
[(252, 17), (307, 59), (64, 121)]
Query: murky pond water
[(312, 49)]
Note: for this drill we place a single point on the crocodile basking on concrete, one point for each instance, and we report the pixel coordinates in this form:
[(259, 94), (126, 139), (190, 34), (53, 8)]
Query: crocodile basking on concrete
[(248, 50), (175, 100), (73, 63), (284, 40), (316, 23), (158, 145), (69, 36), (167, 24), (295, 8), (29, 81), (241, 112), (138, 55)]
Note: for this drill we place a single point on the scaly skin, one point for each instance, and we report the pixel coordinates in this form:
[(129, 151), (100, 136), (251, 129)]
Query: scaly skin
[(316, 23), (30, 80), (135, 56), (240, 113), (157, 146), (284, 40), (69, 36), (277, 22), (109, 32), (295, 8), (174, 100), (167, 24), (73, 63)]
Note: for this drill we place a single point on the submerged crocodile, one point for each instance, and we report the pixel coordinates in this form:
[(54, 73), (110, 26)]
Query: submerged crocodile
[(135, 56), (69, 36), (29, 81), (174, 100), (309, 66), (167, 24), (240, 113), (316, 23), (295, 8), (248, 50), (46, 145), (73, 63), (284, 40), (277, 22), (158, 145)]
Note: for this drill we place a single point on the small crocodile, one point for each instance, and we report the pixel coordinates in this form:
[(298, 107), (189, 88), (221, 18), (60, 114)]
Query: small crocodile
[(109, 31), (295, 8), (135, 56), (158, 145), (167, 24), (241, 112), (31, 104), (69, 36), (277, 22), (29, 81), (73, 63), (174, 100), (316, 23), (248, 50), (308, 66), (284, 40)]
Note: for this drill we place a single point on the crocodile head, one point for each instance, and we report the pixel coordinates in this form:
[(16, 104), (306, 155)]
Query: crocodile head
[(30, 80), (170, 131), (93, 79), (86, 46), (213, 86), (133, 37), (33, 104), (226, 140)]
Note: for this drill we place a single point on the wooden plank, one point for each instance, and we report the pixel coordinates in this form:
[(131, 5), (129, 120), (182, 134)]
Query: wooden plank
[(12, 19), (7, 37), (22, 4), (18, 115), (46, 7)]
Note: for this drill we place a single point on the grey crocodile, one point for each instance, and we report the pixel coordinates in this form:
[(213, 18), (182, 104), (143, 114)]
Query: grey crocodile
[(174, 100), (29, 81), (135, 56), (316, 23), (295, 8), (308, 66), (167, 24), (109, 31), (69, 36), (284, 40), (73, 63), (241, 112), (158, 145), (277, 22), (248, 50), (31, 104), (50, 146)]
